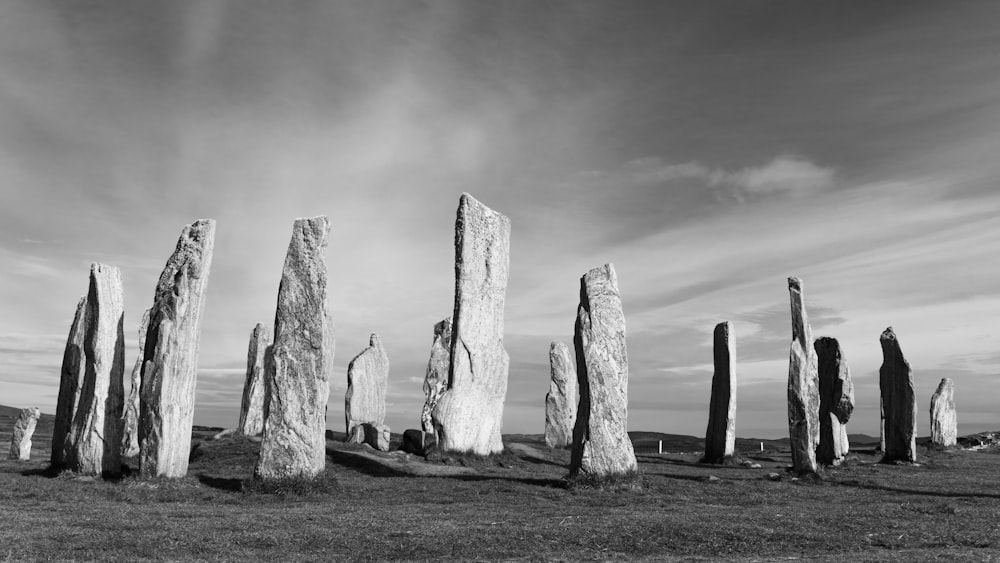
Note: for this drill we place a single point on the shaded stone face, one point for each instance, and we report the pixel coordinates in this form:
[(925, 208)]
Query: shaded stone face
[(297, 368), (170, 357), (130, 432), (251, 420), (24, 428), (899, 404), (469, 414), (944, 418), (436, 378), (836, 401), (720, 438), (70, 384), (367, 379), (375, 435), (601, 446), (803, 386), (562, 398)]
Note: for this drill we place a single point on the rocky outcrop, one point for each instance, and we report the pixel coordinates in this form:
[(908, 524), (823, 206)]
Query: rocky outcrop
[(720, 438), (297, 370), (170, 356), (367, 379), (70, 384), (469, 414), (836, 401), (944, 420), (601, 446), (899, 403), (562, 398), (252, 407), (24, 428), (436, 378), (130, 430), (803, 386)]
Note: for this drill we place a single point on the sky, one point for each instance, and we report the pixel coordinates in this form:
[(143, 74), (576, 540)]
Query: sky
[(707, 150)]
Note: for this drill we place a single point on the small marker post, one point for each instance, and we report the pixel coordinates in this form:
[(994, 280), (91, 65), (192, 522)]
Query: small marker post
[(659, 447)]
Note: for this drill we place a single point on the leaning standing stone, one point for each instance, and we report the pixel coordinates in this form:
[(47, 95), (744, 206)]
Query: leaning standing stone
[(898, 401), (944, 421), (364, 402), (297, 370), (469, 414), (24, 427), (836, 401), (720, 439), (436, 378), (170, 357), (562, 398), (601, 446), (130, 432), (252, 407), (70, 383), (803, 386)]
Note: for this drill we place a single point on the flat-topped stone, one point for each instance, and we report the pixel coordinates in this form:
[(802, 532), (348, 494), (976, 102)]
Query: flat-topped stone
[(836, 401), (367, 380)]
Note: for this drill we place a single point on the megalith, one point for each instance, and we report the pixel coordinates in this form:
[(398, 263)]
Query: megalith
[(24, 428), (252, 407), (562, 398), (944, 420), (436, 378), (720, 438), (469, 414), (70, 383), (130, 430), (364, 402), (297, 368), (803, 386), (899, 403), (601, 446), (170, 356), (836, 401)]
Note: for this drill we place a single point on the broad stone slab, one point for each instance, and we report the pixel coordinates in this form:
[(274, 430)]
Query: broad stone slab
[(252, 406), (367, 379), (899, 403), (562, 398), (836, 401), (24, 428), (436, 378), (720, 438), (803, 386), (130, 432), (375, 435), (944, 420), (70, 384)]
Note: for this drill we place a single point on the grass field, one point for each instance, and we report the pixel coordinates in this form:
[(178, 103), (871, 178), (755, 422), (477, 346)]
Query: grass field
[(376, 506)]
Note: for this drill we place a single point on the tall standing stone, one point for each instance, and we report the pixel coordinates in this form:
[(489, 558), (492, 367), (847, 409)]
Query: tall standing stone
[(297, 369), (469, 413), (70, 383), (720, 438), (252, 407), (803, 386), (364, 402), (24, 427), (944, 420), (562, 398), (170, 356), (95, 437), (130, 432), (601, 446), (898, 401), (836, 401), (436, 378)]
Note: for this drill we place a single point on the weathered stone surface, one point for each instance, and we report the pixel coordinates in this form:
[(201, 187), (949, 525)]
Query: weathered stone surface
[(944, 420), (803, 386), (720, 438), (469, 414), (170, 356), (436, 378), (95, 437), (252, 407), (375, 435), (70, 384), (297, 370), (418, 442), (130, 430), (367, 379), (562, 398), (898, 401), (601, 446), (24, 428), (836, 401)]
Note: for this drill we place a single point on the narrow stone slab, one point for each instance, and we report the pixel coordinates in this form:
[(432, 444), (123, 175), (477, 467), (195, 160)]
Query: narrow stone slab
[(562, 398), (836, 401), (70, 384), (601, 446), (436, 378), (130, 431), (367, 380), (297, 370), (252, 407), (898, 401), (170, 357), (944, 419), (720, 438), (803, 386), (24, 428)]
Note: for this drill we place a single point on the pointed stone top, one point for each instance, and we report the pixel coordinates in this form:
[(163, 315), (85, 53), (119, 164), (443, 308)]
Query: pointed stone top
[(558, 345), (888, 334), (375, 341), (442, 327), (946, 382), (794, 283)]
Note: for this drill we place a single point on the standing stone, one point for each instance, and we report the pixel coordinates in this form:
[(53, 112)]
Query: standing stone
[(95, 437), (836, 401), (436, 378), (170, 356), (469, 414), (24, 427), (70, 383), (720, 438), (881, 426), (898, 401), (297, 369), (252, 407), (364, 403), (130, 432), (944, 421), (562, 398), (803, 386), (601, 446)]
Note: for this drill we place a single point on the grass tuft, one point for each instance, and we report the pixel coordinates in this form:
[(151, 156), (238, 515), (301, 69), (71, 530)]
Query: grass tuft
[(504, 459), (292, 486), (631, 481)]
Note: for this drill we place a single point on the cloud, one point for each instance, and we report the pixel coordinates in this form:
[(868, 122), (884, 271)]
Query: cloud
[(785, 174)]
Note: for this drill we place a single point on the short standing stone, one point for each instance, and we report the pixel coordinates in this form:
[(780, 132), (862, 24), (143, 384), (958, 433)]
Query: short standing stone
[(720, 438), (601, 446), (562, 398), (803, 386), (297, 370), (417, 442), (70, 383), (367, 379), (836, 401), (24, 427), (130, 432), (375, 435), (170, 357), (252, 407), (898, 401), (944, 421), (469, 414), (436, 378)]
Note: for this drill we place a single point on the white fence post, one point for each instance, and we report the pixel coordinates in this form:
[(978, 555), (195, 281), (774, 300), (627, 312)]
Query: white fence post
[(659, 448)]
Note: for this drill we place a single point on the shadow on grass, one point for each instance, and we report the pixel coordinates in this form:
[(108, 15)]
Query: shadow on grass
[(887, 488), (221, 483), (50, 472), (533, 481)]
